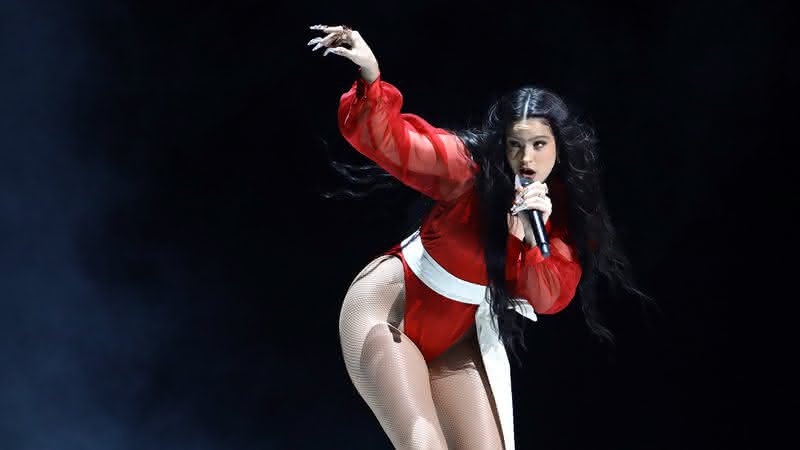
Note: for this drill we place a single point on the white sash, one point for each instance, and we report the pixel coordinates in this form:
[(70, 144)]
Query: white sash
[(493, 352)]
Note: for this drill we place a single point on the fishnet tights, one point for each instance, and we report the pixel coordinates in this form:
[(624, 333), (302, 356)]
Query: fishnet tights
[(443, 404)]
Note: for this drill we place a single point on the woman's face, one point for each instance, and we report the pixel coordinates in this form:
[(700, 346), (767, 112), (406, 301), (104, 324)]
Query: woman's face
[(531, 148)]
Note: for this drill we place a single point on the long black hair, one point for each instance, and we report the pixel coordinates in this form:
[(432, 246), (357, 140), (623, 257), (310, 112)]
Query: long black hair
[(588, 225)]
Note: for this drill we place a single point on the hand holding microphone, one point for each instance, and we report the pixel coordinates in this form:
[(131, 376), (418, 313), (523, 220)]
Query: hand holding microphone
[(532, 198)]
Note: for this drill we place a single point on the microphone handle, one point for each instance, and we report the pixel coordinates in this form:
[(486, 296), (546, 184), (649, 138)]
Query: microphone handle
[(539, 231), (535, 218)]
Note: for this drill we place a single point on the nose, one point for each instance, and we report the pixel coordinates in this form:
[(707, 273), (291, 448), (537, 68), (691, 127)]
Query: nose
[(528, 154)]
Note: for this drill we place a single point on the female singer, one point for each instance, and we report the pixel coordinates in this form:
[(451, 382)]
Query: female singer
[(424, 327)]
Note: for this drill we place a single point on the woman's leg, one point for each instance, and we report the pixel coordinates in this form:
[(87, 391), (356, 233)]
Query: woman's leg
[(387, 369), (463, 397)]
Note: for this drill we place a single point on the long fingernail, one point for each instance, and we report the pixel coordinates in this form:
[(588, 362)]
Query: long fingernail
[(316, 47)]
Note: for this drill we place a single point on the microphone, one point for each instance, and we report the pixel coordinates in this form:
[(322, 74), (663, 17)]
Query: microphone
[(535, 218)]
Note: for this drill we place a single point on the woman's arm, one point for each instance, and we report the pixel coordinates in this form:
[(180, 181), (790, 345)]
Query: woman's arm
[(549, 284), (370, 72), (424, 157)]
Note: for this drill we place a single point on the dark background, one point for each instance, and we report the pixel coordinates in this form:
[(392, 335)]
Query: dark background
[(171, 277)]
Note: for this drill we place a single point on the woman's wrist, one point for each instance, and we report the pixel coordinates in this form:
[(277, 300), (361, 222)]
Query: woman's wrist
[(527, 228), (370, 72)]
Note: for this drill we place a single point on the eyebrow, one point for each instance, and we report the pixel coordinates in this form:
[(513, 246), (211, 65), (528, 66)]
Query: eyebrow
[(531, 139)]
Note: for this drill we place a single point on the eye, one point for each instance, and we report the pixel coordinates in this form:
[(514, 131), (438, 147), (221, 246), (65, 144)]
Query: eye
[(537, 144)]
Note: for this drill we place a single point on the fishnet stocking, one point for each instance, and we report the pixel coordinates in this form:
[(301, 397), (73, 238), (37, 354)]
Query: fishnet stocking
[(439, 405), (463, 397)]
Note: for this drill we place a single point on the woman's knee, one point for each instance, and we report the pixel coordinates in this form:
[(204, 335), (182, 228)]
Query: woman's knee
[(392, 377), (423, 434)]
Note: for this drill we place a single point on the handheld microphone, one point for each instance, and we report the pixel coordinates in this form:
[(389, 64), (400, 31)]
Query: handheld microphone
[(535, 218)]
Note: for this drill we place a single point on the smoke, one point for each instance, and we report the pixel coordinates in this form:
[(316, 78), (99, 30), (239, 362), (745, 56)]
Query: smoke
[(80, 345)]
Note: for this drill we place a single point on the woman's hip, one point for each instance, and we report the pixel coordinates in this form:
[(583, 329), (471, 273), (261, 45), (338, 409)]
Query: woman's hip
[(376, 294)]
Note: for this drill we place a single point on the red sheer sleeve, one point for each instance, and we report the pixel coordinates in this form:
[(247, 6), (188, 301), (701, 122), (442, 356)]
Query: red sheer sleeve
[(427, 159), (548, 284)]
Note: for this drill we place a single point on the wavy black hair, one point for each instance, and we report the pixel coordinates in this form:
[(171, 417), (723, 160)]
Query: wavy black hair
[(589, 227)]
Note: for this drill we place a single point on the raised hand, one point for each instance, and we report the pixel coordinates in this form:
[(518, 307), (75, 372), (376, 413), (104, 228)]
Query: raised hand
[(337, 41)]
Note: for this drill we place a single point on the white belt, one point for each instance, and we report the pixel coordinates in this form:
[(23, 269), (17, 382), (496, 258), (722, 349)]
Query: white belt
[(493, 352)]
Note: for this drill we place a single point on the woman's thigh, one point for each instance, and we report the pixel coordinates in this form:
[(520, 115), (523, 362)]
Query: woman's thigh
[(463, 398), (386, 367)]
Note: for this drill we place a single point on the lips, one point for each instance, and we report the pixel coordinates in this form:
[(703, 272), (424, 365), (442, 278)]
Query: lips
[(526, 172)]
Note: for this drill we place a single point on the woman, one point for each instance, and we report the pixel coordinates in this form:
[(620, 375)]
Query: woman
[(424, 327)]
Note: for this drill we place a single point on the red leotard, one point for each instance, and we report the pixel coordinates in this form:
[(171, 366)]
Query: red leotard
[(437, 164)]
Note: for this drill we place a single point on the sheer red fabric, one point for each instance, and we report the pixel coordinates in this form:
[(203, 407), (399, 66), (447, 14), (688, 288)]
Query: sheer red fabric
[(548, 284), (437, 164), (428, 159)]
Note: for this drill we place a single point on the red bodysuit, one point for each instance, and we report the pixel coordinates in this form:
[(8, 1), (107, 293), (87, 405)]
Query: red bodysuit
[(437, 164)]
